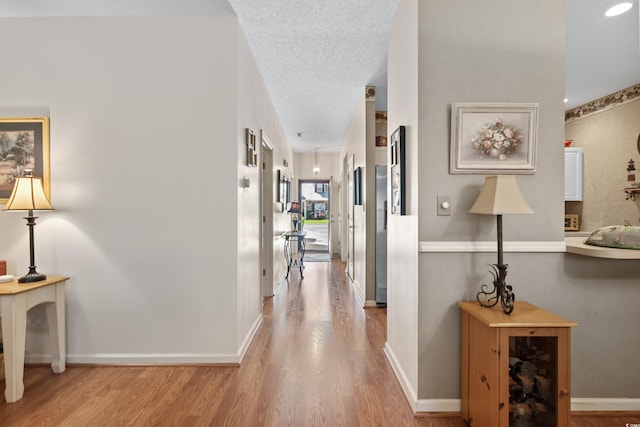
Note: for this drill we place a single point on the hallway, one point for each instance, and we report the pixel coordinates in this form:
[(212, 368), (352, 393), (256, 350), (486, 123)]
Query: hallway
[(325, 357), (317, 360)]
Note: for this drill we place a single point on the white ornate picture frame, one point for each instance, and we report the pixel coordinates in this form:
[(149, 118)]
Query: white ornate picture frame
[(493, 138)]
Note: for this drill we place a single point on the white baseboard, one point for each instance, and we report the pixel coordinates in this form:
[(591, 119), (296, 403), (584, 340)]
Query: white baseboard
[(249, 337), (370, 303), (158, 359), (283, 275), (439, 405), (604, 404), (356, 288), (409, 392), (578, 404)]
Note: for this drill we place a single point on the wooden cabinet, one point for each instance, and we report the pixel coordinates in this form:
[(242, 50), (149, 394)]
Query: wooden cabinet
[(573, 158), (515, 368)]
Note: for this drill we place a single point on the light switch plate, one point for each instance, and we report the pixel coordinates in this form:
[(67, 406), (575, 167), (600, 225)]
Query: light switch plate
[(444, 206)]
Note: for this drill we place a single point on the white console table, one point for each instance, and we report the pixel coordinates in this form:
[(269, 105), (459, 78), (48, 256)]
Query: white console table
[(15, 300)]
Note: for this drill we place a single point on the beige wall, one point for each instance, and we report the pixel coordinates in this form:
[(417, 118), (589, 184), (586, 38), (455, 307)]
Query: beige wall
[(609, 139), (329, 164)]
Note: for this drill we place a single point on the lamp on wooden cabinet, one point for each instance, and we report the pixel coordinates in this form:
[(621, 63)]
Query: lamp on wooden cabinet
[(28, 195), (500, 195)]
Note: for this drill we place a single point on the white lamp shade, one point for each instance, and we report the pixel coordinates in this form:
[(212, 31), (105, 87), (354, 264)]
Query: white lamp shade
[(500, 195), (28, 194)]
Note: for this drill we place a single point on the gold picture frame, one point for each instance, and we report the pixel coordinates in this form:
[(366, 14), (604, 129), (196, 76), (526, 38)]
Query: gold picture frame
[(24, 145), (571, 222)]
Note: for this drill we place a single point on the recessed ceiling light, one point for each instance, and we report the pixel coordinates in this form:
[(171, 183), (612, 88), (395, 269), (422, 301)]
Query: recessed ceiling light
[(618, 9), (566, 100)]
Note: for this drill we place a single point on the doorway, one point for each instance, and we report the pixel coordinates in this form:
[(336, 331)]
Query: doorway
[(266, 217), (348, 206), (314, 195)]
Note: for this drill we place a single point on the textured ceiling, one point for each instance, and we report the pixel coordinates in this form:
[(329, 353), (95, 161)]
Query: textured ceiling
[(317, 56)]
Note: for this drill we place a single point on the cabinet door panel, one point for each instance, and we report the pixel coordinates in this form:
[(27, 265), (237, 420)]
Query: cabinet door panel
[(573, 174), (535, 360)]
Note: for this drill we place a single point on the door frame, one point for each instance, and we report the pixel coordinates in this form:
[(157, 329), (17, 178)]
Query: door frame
[(302, 181), (348, 168), (266, 216)]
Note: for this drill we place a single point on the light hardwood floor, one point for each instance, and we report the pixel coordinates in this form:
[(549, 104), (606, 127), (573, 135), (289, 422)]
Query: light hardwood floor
[(316, 361)]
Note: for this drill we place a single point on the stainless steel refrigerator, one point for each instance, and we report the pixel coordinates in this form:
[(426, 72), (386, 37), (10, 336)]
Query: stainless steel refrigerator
[(381, 235)]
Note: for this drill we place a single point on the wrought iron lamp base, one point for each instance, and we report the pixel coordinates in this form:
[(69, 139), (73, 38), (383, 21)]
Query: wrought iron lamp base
[(501, 292)]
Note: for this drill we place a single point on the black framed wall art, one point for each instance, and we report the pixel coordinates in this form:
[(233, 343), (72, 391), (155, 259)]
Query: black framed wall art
[(398, 199)]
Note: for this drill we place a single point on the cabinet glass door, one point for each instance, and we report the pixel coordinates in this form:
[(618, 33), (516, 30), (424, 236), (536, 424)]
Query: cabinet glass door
[(533, 376)]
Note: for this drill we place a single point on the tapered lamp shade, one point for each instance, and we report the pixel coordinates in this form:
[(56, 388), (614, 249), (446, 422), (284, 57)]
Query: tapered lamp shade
[(28, 194), (500, 195), (295, 208)]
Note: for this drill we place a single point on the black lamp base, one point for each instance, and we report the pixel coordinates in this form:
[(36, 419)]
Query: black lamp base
[(32, 277), (501, 292)]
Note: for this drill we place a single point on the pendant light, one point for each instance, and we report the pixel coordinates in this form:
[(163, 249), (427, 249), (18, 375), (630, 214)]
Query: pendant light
[(316, 167)]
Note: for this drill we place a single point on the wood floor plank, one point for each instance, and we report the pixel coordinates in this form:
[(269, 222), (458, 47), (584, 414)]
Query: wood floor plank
[(317, 360)]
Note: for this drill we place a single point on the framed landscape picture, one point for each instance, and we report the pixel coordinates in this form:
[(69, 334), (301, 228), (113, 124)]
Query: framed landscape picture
[(24, 146), (493, 138)]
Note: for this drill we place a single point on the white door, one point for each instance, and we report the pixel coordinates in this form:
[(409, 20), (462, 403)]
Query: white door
[(335, 225), (266, 218), (350, 217)]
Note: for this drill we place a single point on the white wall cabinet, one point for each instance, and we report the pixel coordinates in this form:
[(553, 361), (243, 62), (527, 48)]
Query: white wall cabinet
[(573, 158)]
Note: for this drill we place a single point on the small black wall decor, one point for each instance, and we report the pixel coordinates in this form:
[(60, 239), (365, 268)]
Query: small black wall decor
[(284, 190), (252, 149), (398, 199), (357, 186)]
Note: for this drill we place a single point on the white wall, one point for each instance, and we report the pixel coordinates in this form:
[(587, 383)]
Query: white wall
[(149, 216), (329, 164), (255, 111), (402, 235), (354, 145)]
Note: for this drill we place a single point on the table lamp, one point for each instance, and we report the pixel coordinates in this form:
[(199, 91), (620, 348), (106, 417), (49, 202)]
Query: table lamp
[(28, 195), (295, 211), (500, 195)]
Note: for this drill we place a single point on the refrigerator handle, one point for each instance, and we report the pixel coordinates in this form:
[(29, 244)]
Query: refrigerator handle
[(385, 215)]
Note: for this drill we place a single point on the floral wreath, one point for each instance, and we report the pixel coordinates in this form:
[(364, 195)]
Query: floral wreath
[(497, 140)]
